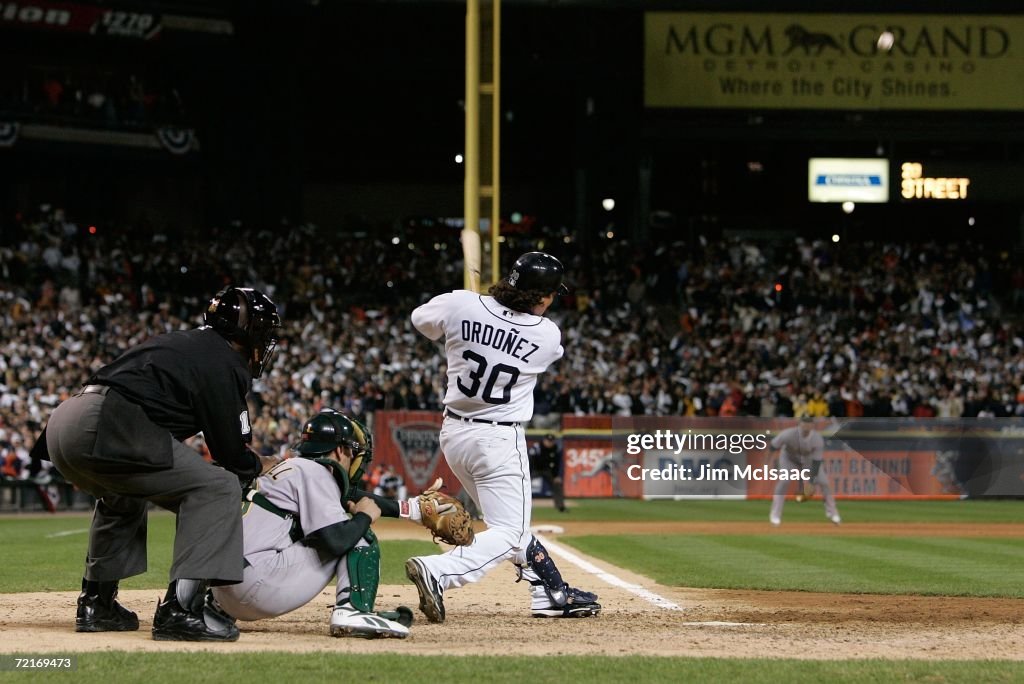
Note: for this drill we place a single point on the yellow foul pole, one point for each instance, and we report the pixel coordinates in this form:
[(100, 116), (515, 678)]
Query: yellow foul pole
[(471, 158), (496, 141)]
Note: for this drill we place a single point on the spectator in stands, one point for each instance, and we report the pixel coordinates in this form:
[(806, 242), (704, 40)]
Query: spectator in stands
[(887, 327)]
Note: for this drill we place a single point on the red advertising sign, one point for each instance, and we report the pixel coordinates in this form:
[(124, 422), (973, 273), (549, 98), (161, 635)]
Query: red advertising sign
[(77, 18), (592, 468), (408, 442)]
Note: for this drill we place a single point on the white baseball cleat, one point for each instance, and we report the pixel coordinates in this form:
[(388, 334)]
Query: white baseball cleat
[(347, 621), (775, 520), (836, 520), (569, 610), (431, 601)]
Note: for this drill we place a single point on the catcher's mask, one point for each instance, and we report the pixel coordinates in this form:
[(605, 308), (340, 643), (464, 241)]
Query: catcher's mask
[(330, 429), (248, 317)]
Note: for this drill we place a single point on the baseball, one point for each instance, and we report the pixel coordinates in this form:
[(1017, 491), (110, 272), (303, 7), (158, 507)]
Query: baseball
[(886, 40)]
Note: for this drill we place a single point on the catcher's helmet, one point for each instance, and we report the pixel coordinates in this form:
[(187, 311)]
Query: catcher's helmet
[(537, 271), (330, 429), (248, 317)]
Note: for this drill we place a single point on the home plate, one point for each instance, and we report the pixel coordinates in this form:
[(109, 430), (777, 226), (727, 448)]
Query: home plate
[(714, 623), (547, 529)]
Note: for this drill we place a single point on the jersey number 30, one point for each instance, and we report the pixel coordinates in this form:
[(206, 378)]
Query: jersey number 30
[(497, 370)]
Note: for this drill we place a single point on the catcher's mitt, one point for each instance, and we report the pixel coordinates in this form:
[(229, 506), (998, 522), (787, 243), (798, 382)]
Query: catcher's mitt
[(446, 518)]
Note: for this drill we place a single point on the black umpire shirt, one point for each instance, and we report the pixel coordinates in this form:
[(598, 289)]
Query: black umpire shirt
[(187, 382), (546, 459)]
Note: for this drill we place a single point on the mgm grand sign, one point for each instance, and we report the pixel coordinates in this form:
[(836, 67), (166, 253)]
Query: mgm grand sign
[(830, 61)]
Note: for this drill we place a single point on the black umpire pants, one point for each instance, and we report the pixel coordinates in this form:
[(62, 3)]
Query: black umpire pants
[(557, 489), (206, 499)]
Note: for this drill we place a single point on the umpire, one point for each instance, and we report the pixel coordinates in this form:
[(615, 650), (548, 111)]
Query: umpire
[(546, 461), (120, 437)]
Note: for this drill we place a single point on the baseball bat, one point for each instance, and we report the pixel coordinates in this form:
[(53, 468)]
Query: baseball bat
[(471, 253)]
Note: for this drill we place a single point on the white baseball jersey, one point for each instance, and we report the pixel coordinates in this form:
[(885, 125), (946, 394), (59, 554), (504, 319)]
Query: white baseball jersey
[(494, 353), (798, 449), (296, 485)]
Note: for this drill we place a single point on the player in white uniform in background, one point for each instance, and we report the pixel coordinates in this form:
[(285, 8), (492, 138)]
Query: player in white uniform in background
[(496, 346), (802, 447), (303, 524)]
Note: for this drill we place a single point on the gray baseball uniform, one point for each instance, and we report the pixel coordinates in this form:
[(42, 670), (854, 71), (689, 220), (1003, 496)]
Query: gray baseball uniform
[(282, 573), (800, 447)]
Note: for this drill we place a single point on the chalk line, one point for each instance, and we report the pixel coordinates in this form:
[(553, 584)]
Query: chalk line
[(614, 580)]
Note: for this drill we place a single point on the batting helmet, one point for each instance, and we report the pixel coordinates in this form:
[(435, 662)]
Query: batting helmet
[(330, 429), (248, 317), (537, 271)]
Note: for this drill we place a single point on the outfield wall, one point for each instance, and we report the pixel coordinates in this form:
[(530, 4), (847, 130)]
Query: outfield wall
[(864, 458)]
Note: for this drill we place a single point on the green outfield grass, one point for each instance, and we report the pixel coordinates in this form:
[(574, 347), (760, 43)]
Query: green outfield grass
[(980, 511), (47, 554), (931, 566), (171, 668)]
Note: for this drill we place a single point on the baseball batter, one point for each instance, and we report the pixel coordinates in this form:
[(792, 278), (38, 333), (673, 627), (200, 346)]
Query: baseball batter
[(300, 533), (496, 346), (802, 447)]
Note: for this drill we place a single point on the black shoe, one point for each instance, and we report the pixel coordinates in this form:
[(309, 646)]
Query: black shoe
[(172, 622), (98, 613)]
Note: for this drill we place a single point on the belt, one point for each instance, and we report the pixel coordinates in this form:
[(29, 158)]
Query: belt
[(451, 414), (95, 389)]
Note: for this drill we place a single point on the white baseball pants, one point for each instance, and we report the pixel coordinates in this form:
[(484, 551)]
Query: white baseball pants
[(492, 464)]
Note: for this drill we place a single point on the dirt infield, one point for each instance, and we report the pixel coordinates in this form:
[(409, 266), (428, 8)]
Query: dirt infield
[(492, 617)]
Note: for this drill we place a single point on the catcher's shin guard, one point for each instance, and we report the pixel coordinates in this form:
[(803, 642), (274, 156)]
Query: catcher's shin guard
[(362, 565), (182, 615)]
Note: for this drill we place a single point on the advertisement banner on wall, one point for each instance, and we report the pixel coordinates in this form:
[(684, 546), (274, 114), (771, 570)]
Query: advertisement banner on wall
[(847, 180), (861, 458), (833, 61), (869, 475), (80, 18), (408, 442), (591, 467), (677, 457)]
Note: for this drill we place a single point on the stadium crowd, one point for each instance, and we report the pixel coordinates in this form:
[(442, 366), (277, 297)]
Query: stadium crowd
[(732, 327)]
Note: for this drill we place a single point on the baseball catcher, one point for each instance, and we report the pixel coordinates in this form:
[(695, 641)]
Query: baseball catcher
[(305, 523)]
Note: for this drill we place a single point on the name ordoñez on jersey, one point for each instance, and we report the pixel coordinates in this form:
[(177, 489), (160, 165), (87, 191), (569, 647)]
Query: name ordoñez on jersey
[(507, 341)]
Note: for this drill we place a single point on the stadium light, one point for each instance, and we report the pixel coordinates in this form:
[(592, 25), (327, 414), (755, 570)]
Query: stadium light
[(608, 203), (459, 159), (848, 207), (835, 237)]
